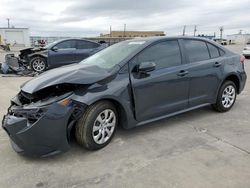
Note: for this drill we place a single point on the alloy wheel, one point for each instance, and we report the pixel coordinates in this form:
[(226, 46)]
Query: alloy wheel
[(228, 96), (38, 65), (104, 126)]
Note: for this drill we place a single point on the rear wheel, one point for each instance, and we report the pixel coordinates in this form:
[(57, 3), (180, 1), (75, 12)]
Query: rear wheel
[(226, 97), (96, 128), (38, 64)]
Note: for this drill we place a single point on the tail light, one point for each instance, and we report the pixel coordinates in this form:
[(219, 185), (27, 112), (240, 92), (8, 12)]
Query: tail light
[(242, 59)]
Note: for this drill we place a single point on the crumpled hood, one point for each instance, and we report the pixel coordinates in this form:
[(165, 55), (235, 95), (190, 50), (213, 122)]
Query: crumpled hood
[(32, 50), (72, 74)]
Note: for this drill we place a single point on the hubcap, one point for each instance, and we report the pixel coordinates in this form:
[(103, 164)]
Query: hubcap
[(38, 65), (228, 96), (104, 126)]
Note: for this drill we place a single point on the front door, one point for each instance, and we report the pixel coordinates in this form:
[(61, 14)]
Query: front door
[(164, 90)]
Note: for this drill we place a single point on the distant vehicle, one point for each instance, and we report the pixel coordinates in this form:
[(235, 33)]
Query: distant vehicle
[(129, 84), (59, 53), (246, 51), (221, 41)]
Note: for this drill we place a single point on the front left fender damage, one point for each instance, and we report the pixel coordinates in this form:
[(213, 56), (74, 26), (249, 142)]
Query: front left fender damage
[(41, 116), (40, 124)]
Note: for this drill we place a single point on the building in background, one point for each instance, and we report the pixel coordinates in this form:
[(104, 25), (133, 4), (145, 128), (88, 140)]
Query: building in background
[(15, 37), (238, 38), (132, 34)]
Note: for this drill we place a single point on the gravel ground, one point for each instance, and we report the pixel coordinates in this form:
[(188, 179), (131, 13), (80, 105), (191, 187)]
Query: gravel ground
[(200, 148)]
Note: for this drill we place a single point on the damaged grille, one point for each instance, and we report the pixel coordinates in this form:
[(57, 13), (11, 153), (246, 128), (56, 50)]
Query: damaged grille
[(32, 115)]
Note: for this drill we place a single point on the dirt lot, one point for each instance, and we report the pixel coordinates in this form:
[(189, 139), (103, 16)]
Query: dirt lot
[(201, 148)]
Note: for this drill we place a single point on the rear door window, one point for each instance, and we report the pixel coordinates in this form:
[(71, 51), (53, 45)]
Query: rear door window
[(214, 51), (80, 44), (66, 44), (164, 54), (196, 50)]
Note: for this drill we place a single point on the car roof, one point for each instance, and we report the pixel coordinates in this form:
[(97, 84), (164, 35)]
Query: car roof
[(159, 38), (62, 40)]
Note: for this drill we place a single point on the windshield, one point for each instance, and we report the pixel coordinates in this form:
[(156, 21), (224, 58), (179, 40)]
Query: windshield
[(114, 54), (48, 46)]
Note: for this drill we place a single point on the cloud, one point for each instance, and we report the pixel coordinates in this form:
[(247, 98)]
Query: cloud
[(92, 17)]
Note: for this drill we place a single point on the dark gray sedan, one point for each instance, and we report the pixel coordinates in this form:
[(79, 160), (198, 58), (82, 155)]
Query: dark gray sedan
[(59, 53), (128, 84)]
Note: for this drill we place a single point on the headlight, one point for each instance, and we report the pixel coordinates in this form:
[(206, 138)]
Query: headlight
[(65, 102)]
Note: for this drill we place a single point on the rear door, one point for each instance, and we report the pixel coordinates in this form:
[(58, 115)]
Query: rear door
[(163, 90), (62, 53), (85, 49), (204, 67)]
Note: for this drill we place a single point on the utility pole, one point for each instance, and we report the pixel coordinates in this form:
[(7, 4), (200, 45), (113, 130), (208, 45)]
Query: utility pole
[(8, 20), (221, 32), (184, 30), (195, 30), (124, 30), (110, 31), (110, 34)]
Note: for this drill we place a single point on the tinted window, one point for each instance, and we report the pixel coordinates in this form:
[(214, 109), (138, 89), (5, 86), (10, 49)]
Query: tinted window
[(214, 51), (196, 50), (66, 44), (85, 45), (164, 54)]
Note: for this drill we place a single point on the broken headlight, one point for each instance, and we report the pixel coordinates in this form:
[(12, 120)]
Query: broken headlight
[(31, 114)]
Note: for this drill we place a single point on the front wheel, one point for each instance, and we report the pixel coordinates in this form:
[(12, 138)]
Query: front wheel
[(38, 64), (226, 97), (97, 126)]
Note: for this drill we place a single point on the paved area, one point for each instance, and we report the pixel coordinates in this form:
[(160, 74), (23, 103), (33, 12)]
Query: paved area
[(201, 148)]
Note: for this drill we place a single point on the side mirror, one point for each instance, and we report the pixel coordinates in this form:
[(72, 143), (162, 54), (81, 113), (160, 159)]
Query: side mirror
[(55, 48), (146, 67)]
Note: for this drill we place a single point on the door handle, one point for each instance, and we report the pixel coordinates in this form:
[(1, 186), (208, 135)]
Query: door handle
[(217, 64), (182, 73)]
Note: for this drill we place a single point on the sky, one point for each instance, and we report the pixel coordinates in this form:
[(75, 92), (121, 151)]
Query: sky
[(89, 18)]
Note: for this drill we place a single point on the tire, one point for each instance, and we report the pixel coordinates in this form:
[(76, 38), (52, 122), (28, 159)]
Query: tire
[(38, 64), (91, 119), (226, 97)]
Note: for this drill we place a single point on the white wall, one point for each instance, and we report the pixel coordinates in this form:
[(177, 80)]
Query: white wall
[(239, 38), (17, 37)]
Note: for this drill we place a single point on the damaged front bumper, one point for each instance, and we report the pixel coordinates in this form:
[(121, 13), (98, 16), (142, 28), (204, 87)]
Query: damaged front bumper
[(40, 131)]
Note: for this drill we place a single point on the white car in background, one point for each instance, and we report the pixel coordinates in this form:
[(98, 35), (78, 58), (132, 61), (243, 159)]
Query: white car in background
[(246, 51)]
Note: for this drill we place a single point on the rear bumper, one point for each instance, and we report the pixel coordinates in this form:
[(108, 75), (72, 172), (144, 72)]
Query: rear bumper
[(243, 78), (47, 136)]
